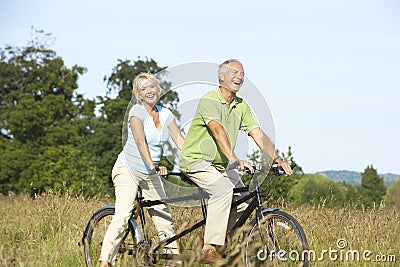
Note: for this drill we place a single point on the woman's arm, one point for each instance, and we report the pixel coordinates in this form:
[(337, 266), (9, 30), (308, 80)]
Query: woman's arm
[(138, 134), (176, 134)]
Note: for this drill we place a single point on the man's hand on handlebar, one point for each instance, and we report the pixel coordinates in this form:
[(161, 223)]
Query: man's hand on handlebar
[(242, 165), (284, 165)]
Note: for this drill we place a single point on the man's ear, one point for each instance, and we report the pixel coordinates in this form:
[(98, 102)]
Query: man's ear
[(221, 76)]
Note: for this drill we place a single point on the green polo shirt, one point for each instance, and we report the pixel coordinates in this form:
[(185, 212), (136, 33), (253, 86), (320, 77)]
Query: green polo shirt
[(200, 144)]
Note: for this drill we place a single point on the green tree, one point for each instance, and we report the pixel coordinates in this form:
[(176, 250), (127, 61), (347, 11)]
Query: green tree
[(372, 187), (50, 136), (15, 158), (62, 168), (39, 112), (392, 197), (278, 186), (353, 193), (316, 188)]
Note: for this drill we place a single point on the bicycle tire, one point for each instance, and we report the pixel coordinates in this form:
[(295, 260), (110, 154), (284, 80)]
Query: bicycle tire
[(94, 234), (277, 239)]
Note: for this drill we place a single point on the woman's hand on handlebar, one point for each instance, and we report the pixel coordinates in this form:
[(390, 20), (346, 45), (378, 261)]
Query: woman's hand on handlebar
[(159, 170), (162, 171)]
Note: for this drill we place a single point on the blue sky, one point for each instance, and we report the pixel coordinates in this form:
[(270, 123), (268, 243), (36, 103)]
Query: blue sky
[(329, 70)]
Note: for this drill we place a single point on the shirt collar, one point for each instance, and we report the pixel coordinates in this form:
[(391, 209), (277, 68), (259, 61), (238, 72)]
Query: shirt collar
[(222, 99)]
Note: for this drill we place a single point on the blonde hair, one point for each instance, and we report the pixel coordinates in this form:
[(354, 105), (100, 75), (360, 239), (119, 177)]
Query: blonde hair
[(142, 79)]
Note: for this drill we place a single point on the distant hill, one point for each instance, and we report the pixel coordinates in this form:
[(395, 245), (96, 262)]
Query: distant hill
[(352, 177)]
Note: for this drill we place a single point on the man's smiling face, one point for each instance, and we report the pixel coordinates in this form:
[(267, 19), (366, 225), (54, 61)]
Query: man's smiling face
[(233, 77)]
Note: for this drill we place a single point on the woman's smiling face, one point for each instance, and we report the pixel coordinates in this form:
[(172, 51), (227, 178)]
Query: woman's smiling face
[(148, 93)]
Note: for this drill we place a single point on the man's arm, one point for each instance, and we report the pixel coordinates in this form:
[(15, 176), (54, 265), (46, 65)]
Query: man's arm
[(221, 138), (265, 144)]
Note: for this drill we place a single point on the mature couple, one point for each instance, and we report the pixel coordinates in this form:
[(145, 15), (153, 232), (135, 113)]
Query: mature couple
[(206, 152)]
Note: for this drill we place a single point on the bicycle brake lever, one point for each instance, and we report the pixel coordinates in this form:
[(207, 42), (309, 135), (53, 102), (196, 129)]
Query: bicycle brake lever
[(258, 167)]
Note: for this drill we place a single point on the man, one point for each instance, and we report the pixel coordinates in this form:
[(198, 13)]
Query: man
[(209, 148)]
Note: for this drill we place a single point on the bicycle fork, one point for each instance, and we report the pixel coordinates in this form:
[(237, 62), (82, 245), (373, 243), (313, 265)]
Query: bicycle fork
[(260, 219)]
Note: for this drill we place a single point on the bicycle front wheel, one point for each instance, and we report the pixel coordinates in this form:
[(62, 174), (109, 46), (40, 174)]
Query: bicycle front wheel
[(94, 235), (277, 239)]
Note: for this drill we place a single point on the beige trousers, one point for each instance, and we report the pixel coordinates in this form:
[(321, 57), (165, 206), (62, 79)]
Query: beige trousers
[(126, 182), (220, 216)]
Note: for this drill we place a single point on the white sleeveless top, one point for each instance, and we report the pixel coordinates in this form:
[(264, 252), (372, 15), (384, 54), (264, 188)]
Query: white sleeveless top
[(155, 139)]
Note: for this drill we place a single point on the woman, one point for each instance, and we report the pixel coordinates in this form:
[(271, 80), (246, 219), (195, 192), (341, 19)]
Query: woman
[(149, 126)]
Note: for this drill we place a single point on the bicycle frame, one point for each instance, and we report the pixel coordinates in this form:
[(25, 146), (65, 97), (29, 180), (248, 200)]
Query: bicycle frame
[(267, 227), (256, 203)]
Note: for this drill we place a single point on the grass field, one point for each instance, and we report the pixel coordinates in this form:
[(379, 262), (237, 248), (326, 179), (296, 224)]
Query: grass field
[(45, 231)]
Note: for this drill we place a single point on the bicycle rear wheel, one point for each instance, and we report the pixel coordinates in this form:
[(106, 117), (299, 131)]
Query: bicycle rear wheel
[(276, 240), (93, 239)]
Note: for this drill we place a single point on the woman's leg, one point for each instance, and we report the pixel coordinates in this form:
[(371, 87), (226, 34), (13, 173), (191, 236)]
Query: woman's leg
[(153, 189), (125, 192)]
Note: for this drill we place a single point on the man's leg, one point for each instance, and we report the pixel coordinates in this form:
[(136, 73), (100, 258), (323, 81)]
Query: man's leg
[(220, 189), (237, 211)]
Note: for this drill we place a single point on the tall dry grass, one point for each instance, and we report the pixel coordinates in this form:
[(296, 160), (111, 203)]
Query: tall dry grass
[(376, 230), (45, 231)]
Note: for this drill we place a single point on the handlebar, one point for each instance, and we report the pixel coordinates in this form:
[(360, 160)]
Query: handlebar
[(275, 169)]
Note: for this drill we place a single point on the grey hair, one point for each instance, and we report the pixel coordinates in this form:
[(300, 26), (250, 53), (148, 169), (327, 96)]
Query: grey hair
[(223, 67)]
